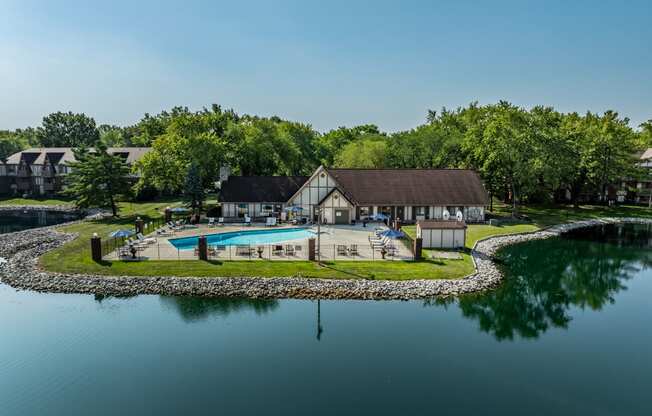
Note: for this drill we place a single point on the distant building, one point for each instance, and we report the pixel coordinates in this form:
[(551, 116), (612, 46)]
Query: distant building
[(639, 190), (41, 171)]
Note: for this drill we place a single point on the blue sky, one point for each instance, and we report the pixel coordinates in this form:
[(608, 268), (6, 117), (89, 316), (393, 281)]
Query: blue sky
[(327, 63)]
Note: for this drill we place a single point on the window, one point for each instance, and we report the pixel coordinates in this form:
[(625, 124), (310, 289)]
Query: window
[(243, 210), (365, 212), (267, 208), (419, 212)]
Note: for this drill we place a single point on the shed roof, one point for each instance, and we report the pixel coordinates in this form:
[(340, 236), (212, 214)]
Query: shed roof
[(441, 225)]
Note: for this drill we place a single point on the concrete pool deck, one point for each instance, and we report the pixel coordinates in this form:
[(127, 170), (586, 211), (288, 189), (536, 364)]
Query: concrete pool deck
[(332, 236)]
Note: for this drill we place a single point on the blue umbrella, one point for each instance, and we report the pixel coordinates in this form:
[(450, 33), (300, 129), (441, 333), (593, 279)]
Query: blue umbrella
[(293, 209), (179, 210), (121, 233), (393, 234), (379, 217)]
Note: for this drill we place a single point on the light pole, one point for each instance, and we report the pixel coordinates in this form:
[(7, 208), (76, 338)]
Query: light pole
[(319, 235)]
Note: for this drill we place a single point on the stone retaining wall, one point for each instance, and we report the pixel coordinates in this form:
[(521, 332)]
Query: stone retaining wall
[(22, 250)]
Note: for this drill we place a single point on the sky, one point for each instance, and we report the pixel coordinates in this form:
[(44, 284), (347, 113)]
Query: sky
[(327, 63)]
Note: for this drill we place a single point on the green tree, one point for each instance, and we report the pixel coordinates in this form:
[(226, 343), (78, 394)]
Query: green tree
[(97, 178), (10, 143), (367, 153), (67, 130), (193, 190)]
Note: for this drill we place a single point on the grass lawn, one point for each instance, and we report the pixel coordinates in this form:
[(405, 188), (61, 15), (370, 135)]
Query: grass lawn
[(544, 216), (74, 257), (30, 201)]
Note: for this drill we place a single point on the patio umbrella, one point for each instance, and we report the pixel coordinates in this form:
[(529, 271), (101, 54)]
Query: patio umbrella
[(179, 210), (393, 234), (121, 234), (293, 209)]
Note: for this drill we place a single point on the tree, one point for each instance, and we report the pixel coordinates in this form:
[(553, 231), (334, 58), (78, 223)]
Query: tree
[(10, 143), (366, 153), (194, 189), (68, 130), (97, 178)]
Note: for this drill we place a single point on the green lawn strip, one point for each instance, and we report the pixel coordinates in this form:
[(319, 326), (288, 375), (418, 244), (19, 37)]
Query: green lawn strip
[(545, 215), (30, 201)]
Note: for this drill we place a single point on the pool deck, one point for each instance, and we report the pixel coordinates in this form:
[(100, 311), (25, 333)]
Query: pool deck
[(332, 236)]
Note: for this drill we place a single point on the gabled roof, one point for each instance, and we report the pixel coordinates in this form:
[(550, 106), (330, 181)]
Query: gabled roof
[(332, 191), (411, 186), (63, 155), (260, 188)]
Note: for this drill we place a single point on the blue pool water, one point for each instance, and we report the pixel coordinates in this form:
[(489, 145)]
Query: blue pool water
[(251, 237)]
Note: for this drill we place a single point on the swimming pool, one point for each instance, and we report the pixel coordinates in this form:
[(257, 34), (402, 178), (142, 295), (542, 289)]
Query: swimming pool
[(252, 237)]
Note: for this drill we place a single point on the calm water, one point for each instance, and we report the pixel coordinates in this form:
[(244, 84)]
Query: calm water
[(569, 333), (11, 221), (246, 237)]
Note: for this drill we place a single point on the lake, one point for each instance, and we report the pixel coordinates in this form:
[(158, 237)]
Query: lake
[(18, 220), (567, 333)]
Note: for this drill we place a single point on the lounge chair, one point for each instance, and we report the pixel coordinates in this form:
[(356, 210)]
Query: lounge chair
[(220, 221), (146, 240), (353, 250), (289, 250), (341, 250), (270, 222), (242, 250), (211, 221), (247, 220)]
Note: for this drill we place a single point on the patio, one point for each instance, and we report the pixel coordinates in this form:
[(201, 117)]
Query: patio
[(338, 242)]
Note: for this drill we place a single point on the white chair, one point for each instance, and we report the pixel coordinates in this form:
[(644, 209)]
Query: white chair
[(247, 220), (211, 222), (220, 221)]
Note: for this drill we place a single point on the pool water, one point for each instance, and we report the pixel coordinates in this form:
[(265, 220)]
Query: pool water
[(252, 237)]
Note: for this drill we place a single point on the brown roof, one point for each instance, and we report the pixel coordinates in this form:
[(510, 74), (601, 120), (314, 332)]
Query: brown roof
[(425, 187), (63, 155), (260, 188), (441, 225)]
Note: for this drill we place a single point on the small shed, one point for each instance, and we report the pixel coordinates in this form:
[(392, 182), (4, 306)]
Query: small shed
[(442, 234)]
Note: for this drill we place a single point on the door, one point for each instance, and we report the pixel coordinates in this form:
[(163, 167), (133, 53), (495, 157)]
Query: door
[(341, 216), (400, 213)]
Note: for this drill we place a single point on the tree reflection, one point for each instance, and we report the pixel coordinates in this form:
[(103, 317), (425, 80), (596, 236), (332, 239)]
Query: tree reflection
[(546, 278), (193, 309)]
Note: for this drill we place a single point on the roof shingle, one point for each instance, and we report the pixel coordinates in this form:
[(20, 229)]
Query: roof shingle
[(417, 187), (260, 188)]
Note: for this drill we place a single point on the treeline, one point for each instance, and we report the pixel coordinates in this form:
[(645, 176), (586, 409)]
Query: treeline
[(523, 155)]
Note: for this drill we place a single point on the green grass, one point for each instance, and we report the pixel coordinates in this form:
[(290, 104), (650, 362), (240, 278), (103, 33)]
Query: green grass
[(35, 201), (545, 215), (74, 257)]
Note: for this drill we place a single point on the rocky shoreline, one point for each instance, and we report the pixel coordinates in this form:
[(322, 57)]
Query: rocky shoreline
[(22, 250)]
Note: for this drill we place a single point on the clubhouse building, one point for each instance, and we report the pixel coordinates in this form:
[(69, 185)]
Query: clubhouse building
[(344, 195)]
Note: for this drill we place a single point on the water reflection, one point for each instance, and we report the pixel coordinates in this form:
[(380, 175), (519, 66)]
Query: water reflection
[(18, 220), (546, 278), (193, 309)]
